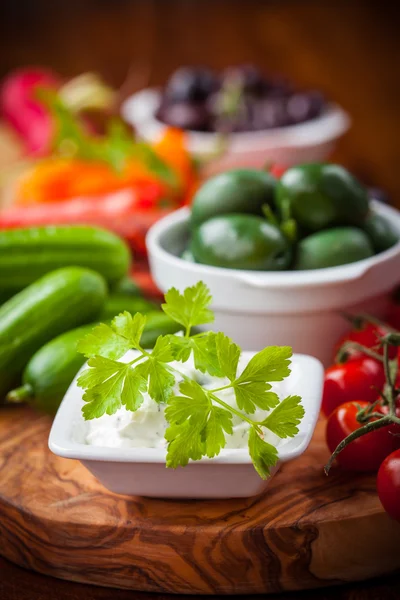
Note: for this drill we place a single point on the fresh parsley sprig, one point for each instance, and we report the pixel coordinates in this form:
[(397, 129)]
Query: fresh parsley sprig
[(199, 420)]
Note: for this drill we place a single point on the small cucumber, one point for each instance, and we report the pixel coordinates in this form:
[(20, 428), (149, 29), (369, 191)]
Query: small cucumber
[(157, 323), (27, 254), (127, 286), (57, 302), (117, 303), (50, 371)]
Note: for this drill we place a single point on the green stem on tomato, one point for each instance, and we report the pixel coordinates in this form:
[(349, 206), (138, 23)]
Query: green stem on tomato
[(375, 321), (356, 346), (371, 426)]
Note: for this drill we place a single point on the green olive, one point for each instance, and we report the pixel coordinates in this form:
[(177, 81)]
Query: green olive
[(240, 242), (187, 255), (382, 233), (332, 247), (319, 195), (235, 191)]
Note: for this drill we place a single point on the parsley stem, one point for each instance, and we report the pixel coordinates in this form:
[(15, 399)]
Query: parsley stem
[(234, 411), (225, 387), (144, 352), (135, 360)]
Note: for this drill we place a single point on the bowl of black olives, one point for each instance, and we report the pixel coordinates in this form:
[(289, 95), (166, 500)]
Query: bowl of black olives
[(239, 117)]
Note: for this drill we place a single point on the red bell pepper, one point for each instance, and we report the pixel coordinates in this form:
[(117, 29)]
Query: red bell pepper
[(126, 212)]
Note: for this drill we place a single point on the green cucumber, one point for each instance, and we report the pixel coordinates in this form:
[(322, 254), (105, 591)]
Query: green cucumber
[(57, 302), (27, 254), (117, 303), (50, 371), (128, 287), (157, 323)]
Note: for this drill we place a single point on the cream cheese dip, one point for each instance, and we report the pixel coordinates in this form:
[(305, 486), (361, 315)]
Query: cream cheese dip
[(145, 428)]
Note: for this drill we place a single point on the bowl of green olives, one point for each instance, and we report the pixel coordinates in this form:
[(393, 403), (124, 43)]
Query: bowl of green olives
[(284, 259)]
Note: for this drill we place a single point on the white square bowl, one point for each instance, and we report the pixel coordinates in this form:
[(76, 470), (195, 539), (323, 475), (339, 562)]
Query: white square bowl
[(142, 471)]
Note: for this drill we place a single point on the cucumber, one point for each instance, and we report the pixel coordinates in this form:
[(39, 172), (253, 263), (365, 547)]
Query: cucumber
[(57, 302), (50, 371), (128, 287), (157, 323), (27, 254), (117, 303)]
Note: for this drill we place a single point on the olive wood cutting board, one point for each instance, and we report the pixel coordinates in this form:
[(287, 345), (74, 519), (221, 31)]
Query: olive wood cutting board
[(308, 530)]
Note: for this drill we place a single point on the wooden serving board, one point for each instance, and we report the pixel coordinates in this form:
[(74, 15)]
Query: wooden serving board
[(308, 530)]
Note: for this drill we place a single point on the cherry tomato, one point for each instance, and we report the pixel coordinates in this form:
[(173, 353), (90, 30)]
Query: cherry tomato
[(277, 170), (365, 453), (388, 484), (368, 335), (394, 429), (359, 378)]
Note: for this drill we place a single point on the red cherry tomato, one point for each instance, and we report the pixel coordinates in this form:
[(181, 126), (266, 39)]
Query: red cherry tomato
[(394, 428), (277, 170), (365, 453), (359, 378), (368, 335), (388, 484)]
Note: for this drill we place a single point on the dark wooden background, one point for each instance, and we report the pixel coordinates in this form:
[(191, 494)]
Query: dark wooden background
[(349, 49)]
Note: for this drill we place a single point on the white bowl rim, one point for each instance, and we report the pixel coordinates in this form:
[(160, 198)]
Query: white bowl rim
[(139, 109), (61, 444), (271, 279)]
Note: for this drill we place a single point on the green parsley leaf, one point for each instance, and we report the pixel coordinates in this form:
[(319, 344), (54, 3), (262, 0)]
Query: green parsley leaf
[(159, 379), (108, 385), (133, 390), (284, 419), (189, 308), (271, 364), (219, 420), (187, 416), (162, 350), (208, 422), (185, 443), (103, 341), (181, 347), (204, 352), (194, 404), (105, 396), (129, 327), (254, 393), (205, 355), (228, 354), (263, 455), (101, 369)]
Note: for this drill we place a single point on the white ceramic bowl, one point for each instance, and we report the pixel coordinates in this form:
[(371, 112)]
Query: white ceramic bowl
[(306, 142), (142, 471), (302, 309)]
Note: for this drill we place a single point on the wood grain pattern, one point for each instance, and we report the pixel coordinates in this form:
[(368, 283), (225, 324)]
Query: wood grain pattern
[(17, 583), (307, 531), (349, 49)]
